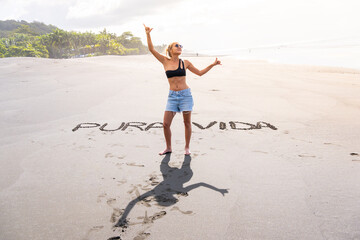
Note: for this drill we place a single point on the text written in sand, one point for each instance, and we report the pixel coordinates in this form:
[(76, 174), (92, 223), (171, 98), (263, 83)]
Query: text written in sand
[(142, 126)]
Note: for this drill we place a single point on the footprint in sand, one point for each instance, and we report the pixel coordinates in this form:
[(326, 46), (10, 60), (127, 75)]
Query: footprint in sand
[(285, 132), (121, 182), (355, 154), (117, 212), (93, 229), (158, 215), (142, 236), (183, 212), (154, 180), (115, 238), (144, 201), (152, 218), (146, 188), (328, 143), (135, 165), (303, 155), (116, 144), (111, 201), (109, 155), (119, 165), (260, 151), (135, 188), (132, 190), (100, 197)]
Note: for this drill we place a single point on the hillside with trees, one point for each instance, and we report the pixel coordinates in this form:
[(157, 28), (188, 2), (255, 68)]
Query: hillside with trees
[(9, 27), (22, 39)]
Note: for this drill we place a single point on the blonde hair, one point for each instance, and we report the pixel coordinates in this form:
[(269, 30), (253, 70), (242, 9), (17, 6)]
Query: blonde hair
[(168, 49)]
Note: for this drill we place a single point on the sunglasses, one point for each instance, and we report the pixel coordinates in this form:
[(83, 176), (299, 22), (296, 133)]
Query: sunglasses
[(178, 45)]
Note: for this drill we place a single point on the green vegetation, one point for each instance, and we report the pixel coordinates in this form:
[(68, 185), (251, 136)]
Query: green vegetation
[(9, 27), (22, 39)]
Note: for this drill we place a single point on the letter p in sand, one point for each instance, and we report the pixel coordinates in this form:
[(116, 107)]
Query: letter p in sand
[(85, 125)]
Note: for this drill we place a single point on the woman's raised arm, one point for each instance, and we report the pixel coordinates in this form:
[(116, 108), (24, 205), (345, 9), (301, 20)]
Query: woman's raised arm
[(158, 56), (205, 70)]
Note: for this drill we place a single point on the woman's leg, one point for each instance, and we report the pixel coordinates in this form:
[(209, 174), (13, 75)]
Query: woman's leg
[(187, 123), (168, 117)]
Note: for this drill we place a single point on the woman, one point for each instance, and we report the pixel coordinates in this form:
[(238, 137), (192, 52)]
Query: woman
[(180, 98)]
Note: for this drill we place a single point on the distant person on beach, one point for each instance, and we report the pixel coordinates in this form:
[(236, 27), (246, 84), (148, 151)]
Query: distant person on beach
[(180, 98)]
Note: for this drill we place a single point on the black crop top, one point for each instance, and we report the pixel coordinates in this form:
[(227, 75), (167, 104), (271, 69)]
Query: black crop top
[(178, 72)]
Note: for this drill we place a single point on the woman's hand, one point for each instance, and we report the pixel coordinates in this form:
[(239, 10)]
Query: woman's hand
[(217, 62), (147, 29)]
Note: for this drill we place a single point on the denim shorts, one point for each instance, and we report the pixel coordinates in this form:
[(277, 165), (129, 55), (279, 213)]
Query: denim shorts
[(180, 101)]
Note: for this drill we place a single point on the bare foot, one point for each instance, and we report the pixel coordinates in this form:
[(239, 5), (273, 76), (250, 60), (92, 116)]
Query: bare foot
[(165, 151), (187, 151)]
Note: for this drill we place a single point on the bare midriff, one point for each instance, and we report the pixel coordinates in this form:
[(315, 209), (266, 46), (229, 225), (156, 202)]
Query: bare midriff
[(178, 83)]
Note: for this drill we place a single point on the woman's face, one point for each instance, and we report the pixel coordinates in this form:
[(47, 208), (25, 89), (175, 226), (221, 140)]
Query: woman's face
[(176, 50)]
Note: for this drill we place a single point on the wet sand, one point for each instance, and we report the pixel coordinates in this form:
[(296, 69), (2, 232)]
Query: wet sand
[(275, 151)]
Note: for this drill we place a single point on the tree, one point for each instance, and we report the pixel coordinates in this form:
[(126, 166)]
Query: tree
[(25, 29), (58, 43), (2, 50), (129, 41), (24, 41)]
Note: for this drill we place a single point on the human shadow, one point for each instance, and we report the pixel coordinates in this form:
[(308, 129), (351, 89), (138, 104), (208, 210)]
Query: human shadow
[(174, 179)]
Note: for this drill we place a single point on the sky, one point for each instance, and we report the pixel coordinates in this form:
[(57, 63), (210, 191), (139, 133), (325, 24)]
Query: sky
[(199, 25)]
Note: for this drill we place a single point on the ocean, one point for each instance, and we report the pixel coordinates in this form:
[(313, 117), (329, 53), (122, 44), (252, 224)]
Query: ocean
[(343, 52)]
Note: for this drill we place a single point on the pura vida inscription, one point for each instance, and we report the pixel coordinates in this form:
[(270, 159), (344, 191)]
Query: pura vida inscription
[(143, 126)]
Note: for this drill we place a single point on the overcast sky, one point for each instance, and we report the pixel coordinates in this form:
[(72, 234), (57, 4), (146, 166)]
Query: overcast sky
[(199, 24)]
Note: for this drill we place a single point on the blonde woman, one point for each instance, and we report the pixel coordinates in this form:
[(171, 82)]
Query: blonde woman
[(180, 98)]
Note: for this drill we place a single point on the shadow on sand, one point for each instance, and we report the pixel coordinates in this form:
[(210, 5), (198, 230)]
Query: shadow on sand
[(173, 183)]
